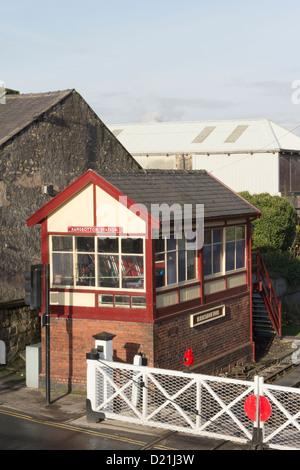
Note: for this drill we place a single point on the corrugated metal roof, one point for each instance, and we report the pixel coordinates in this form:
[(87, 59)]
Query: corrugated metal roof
[(205, 137)]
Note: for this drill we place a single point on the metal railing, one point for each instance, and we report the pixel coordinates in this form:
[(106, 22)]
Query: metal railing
[(263, 285)]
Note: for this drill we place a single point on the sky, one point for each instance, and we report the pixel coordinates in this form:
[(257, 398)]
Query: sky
[(159, 60)]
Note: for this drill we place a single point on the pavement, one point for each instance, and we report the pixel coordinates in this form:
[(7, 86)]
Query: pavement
[(70, 409), (63, 407)]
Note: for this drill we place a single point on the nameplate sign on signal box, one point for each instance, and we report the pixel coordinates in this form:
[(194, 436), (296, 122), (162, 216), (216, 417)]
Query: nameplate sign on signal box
[(95, 230), (208, 315)]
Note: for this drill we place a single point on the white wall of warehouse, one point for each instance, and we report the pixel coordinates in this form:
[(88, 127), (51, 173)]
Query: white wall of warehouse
[(256, 173)]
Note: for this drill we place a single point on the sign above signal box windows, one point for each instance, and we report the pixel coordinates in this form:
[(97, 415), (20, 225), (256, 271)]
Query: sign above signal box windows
[(95, 230), (198, 319)]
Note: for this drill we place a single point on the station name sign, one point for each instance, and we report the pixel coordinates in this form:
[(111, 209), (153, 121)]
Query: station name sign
[(208, 315), (95, 230)]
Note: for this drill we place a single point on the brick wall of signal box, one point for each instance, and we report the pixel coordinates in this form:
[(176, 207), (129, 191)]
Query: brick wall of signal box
[(71, 339), (217, 345)]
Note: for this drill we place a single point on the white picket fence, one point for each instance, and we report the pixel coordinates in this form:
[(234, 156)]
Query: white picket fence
[(192, 403)]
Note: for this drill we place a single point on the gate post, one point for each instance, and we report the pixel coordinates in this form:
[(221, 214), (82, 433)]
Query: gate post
[(257, 438), (103, 350), (103, 344)]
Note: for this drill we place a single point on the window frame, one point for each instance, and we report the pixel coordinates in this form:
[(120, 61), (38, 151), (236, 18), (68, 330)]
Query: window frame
[(223, 271), (175, 250), (96, 254)]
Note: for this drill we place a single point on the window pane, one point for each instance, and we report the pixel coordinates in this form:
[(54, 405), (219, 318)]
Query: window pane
[(240, 254), (108, 245), (230, 256), (62, 264), (181, 266), (108, 267), (207, 260), (191, 264), (171, 243), (240, 233), (207, 237), (181, 243), (230, 234), (85, 270), (122, 301), (105, 301), (160, 275), (159, 245), (171, 268), (138, 302), (217, 235), (62, 243), (132, 245), (132, 270), (217, 258), (85, 244)]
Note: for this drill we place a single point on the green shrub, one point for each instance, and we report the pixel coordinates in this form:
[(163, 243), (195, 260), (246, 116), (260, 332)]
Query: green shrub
[(277, 226)]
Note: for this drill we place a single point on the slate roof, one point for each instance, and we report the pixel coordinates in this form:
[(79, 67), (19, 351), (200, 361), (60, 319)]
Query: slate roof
[(147, 187), (19, 111), (182, 187)]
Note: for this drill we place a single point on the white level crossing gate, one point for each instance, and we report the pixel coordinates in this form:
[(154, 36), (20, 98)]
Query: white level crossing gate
[(192, 403)]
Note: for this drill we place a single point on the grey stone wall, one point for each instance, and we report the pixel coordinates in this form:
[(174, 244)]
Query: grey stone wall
[(19, 327), (289, 296), (55, 150)]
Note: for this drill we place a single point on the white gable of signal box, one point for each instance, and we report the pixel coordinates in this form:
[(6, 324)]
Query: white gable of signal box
[(246, 155)]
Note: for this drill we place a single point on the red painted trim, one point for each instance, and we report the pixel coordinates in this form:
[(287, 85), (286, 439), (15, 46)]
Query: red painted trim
[(201, 276), (45, 255), (138, 315), (218, 296), (130, 292), (85, 179), (176, 287), (250, 286), (225, 276), (150, 277), (182, 307), (82, 234)]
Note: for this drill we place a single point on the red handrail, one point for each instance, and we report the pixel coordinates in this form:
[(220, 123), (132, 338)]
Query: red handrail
[(264, 285)]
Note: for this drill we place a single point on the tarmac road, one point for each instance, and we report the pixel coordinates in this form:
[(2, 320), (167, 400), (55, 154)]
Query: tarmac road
[(27, 422)]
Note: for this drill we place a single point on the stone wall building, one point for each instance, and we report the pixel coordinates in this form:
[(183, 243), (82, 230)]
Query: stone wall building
[(47, 140)]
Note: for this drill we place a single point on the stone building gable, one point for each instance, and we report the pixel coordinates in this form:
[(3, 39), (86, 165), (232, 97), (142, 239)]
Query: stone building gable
[(50, 147)]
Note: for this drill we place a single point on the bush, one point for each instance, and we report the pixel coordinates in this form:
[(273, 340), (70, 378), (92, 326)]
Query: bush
[(282, 264), (277, 226)]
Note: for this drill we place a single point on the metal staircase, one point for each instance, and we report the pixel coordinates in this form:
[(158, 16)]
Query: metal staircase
[(266, 309)]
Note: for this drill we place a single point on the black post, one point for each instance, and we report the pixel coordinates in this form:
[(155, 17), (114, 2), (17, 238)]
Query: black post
[(47, 318)]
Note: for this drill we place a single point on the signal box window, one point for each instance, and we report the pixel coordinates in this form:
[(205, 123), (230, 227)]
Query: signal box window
[(109, 263)]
